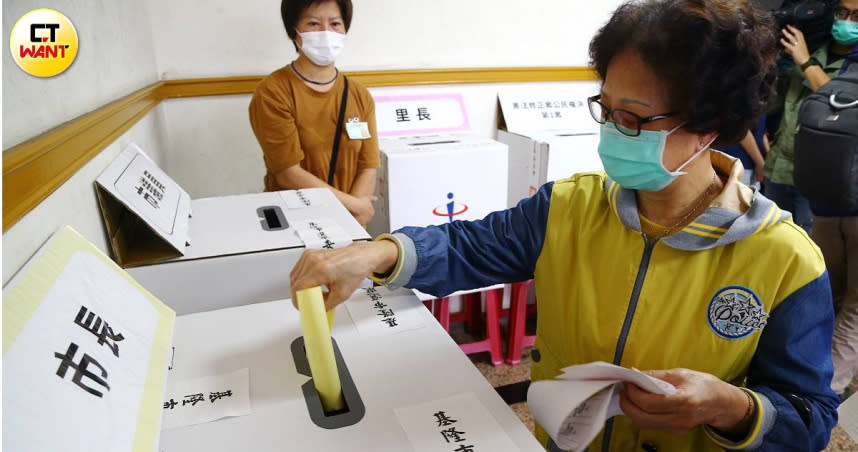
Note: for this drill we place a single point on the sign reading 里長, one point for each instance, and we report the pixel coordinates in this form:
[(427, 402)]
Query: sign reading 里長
[(420, 114), (85, 351)]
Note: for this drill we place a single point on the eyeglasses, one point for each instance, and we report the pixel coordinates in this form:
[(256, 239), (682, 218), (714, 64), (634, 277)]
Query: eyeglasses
[(842, 13), (626, 122)]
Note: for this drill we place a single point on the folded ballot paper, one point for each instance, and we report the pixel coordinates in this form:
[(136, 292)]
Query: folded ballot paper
[(574, 406)]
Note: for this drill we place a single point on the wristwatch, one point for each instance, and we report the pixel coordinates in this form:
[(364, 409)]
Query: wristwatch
[(810, 62)]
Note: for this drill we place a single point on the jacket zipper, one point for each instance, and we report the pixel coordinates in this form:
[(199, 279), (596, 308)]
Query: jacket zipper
[(649, 245)]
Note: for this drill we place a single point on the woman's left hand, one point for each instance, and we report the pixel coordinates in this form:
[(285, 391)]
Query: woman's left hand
[(794, 44), (700, 398)]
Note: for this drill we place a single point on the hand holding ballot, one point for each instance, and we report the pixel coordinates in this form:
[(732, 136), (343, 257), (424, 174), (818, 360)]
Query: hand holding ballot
[(699, 399), (575, 405), (342, 269)]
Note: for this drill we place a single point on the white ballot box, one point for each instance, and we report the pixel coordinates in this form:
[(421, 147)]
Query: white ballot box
[(210, 253), (415, 389), (550, 133), (85, 353), (433, 169)]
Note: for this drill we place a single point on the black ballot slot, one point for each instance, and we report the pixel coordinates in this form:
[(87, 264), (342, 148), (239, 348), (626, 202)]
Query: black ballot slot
[(272, 218), (354, 408)]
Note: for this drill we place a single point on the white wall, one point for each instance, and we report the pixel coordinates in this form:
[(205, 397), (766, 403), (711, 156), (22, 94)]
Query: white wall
[(211, 148), (116, 56), (74, 203), (227, 37)]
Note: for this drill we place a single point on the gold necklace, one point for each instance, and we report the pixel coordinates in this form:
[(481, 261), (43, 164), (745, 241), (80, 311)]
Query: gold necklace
[(685, 217)]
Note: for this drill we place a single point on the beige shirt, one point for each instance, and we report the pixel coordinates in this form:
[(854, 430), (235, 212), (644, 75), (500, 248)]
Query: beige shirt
[(295, 125)]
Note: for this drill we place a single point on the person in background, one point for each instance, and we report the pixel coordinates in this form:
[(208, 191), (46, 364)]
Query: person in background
[(837, 236), (666, 262), (751, 151), (295, 111), (806, 76)]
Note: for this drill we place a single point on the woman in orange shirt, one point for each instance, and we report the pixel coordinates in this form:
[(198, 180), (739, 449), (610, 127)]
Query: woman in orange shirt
[(296, 113)]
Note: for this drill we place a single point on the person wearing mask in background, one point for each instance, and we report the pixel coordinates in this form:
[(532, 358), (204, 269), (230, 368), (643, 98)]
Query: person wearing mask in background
[(809, 73), (751, 152), (295, 112), (667, 263), (837, 236)]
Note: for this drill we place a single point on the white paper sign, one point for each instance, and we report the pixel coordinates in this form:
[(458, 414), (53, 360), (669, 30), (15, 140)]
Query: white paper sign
[(199, 400), (456, 423), (421, 114), (150, 193), (574, 406), (323, 233), (376, 312), (299, 199), (534, 109), (79, 371)]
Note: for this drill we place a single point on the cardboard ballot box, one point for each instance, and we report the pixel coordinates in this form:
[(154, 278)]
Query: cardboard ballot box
[(418, 390), (433, 170), (84, 353), (550, 133), (203, 254), (92, 361)]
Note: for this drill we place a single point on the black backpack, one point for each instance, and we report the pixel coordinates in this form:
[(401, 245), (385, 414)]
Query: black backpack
[(826, 146)]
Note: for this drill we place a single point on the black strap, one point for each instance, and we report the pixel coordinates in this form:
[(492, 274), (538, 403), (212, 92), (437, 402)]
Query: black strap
[(338, 131)]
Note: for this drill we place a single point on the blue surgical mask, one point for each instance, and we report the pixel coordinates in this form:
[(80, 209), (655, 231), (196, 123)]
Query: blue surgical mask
[(845, 32), (636, 162)]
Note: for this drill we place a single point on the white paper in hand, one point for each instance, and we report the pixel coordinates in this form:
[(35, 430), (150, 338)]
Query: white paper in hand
[(574, 406)]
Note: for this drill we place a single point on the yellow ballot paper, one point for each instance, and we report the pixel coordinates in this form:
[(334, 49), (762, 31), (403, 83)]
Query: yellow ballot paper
[(84, 353), (319, 348)]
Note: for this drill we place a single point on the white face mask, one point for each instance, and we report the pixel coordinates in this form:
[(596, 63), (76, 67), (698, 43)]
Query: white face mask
[(322, 47)]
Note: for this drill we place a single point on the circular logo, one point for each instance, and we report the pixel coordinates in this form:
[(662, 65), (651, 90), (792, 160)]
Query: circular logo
[(43, 42), (736, 312)]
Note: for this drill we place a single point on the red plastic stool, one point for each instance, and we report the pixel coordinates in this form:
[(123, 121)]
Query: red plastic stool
[(516, 339), (470, 315)]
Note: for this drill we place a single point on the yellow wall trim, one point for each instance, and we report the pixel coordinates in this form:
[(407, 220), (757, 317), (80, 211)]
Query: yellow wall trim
[(35, 168)]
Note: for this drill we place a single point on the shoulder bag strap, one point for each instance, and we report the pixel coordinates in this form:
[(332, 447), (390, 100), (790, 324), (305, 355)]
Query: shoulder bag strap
[(338, 132)]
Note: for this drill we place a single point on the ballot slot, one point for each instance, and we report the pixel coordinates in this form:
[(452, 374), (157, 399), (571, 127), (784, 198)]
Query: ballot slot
[(424, 143), (353, 410), (272, 218)]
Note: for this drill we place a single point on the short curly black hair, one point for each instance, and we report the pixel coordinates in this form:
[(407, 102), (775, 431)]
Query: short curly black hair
[(716, 58), (291, 10)]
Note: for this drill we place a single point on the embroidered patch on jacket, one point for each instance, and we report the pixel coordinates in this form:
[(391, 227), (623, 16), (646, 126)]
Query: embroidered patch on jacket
[(736, 312)]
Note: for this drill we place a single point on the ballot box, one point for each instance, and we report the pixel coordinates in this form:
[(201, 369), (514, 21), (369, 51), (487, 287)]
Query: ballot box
[(550, 133), (210, 253), (85, 353), (93, 361), (434, 170), (414, 387)]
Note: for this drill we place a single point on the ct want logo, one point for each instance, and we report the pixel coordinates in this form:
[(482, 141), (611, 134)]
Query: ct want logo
[(736, 312), (450, 209), (43, 43)]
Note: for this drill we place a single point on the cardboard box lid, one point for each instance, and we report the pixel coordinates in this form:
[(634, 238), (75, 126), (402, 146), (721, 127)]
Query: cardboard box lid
[(452, 142), (85, 350), (420, 114), (255, 222), (145, 211), (524, 110)]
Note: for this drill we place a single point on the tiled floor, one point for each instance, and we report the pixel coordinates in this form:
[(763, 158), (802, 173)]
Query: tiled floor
[(504, 374)]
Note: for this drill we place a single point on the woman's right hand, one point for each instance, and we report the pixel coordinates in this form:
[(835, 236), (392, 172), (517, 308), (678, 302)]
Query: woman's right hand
[(342, 269)]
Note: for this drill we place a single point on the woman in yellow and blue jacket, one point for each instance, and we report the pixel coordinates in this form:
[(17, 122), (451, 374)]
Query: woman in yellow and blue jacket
[(666, 262)]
